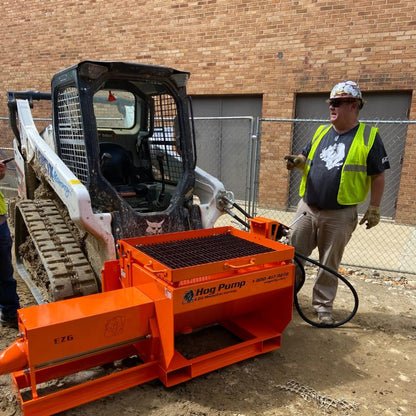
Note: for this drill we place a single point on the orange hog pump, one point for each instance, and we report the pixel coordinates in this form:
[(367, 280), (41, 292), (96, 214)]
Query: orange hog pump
[(233, 285)]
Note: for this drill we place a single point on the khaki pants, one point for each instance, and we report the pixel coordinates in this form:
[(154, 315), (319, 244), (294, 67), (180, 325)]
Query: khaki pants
[(330, 231)]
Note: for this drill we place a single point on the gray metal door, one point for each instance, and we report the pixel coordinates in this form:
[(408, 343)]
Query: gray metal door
[(224, 128)]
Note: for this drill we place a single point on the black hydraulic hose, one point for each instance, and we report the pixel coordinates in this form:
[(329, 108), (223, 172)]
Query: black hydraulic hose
[(301, 283), (339, 276), (235, 205), (237, 218)]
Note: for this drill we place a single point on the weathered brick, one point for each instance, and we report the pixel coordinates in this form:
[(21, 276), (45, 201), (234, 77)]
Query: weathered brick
[(229, 46)]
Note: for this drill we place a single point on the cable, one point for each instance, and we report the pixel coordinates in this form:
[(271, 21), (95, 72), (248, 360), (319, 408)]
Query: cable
[(339, 276), (300, 265)]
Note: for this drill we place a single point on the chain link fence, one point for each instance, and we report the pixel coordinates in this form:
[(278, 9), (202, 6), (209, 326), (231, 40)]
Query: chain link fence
[(229, 149), (391, 245)]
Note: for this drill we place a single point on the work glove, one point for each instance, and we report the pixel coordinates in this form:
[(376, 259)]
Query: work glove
[(372, 216), (295, 161)]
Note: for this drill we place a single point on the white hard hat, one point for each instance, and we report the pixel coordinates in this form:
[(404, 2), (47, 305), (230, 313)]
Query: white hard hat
[(347, 89)]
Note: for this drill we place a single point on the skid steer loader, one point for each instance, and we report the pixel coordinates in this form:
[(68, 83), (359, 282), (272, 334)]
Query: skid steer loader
[(111, 201), (118, 161)]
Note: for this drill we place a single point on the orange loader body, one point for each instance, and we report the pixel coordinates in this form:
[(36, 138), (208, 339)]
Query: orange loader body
[(161, 288)]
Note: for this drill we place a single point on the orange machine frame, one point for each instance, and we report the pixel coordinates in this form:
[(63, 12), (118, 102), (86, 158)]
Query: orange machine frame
[(146, 305)]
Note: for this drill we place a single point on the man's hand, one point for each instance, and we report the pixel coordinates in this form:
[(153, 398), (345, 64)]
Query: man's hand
[(295, 161), (372, 216)]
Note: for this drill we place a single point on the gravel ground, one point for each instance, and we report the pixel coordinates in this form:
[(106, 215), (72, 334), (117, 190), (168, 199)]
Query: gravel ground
[(366, 367)]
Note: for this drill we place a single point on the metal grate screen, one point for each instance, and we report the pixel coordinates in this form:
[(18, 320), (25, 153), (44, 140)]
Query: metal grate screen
[(202, 250), (71, 135), (164, 144)]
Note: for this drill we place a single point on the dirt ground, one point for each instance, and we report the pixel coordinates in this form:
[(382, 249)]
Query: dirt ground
[(366, 367)]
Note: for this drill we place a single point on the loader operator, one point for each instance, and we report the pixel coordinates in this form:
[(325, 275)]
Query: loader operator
[(342, 163), (9, 300)]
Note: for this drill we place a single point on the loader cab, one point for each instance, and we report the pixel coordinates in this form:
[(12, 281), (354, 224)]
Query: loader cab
[(125, 131), (139, 146)]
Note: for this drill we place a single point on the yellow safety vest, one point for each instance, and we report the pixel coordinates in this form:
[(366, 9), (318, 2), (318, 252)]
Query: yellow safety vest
[(3, 206), (355, 183)]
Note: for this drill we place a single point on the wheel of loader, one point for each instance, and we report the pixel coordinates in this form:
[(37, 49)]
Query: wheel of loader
[(48, 256)]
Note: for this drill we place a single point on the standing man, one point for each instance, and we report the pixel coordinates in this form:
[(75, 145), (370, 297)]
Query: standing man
[(9, 300), (343, 162)]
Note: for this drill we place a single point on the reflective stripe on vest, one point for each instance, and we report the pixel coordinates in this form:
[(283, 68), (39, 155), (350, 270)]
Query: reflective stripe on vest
[(354, 183), (3, 206)]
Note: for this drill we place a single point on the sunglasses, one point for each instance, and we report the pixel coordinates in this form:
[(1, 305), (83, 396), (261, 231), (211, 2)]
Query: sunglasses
[(337, 103)]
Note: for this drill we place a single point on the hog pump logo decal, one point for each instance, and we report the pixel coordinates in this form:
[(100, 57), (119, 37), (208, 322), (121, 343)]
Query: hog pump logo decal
[(188, 296), (207, 292)]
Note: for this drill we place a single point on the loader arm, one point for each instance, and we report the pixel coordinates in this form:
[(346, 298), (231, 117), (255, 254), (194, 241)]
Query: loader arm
[(67, 186), (210, 190)]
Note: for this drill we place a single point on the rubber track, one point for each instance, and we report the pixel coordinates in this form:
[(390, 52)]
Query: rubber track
[(68, 270)]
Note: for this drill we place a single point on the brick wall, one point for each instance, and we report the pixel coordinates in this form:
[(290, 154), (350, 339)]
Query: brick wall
[(274, 48)]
